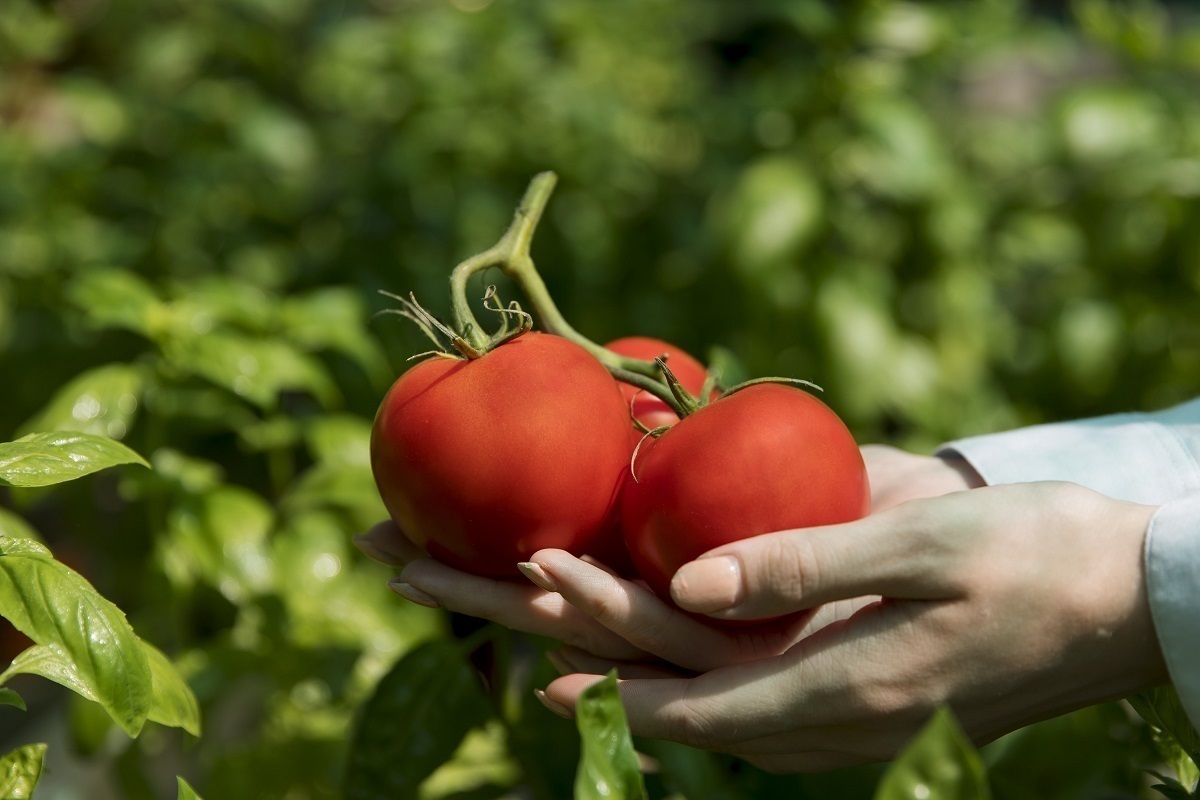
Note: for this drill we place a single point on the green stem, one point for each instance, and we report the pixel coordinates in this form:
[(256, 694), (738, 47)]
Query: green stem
[(511, 255)]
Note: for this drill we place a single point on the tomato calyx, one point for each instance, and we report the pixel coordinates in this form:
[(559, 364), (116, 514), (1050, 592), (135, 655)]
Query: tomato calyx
[(449, 343)]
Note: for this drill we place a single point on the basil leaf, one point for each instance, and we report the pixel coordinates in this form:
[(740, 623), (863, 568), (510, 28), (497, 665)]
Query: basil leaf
[(10, 698), (186, 792), (173, 703), (42, 459), (418, 715), (20, 771), (58, 609), (608, 768), (940, 762), (101, 401)]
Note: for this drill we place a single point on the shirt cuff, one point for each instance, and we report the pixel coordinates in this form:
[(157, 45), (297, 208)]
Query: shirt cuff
[(1173, 583), (1144, 458)]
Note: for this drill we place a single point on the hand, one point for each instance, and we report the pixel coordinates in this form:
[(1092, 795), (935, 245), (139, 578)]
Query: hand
[(603, 619), (897, 477), (1011, 603), (579, 602)]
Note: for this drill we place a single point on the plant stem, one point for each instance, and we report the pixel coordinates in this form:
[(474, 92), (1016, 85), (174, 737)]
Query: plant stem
[(511, 255)]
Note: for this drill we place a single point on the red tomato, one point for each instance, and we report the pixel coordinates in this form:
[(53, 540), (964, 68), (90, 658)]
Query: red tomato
[(769, 457), (645, 407), (484, 462)]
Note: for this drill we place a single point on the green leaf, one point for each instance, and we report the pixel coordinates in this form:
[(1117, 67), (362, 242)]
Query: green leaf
[(1174, 737), (20, 771), (10, 698), (114, 298), (42, 459), (220, 538), (254, 369), (772, 213), (186, 792), (173, 703), (16, 527), (608, 767), (340, 439), (939, 764), (59, 610), (335, 319), (414, 722), (101, 401)]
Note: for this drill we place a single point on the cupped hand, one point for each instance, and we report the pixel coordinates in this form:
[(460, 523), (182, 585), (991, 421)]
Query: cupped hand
[(580, 603), (604, 620), (1010, 603)]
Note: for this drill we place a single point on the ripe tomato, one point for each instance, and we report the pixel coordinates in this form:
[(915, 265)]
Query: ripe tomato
[(769, 457), (645, 407), (484, 462)]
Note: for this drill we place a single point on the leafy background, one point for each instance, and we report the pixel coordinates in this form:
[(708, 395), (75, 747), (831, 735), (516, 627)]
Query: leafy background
[(956, 217)]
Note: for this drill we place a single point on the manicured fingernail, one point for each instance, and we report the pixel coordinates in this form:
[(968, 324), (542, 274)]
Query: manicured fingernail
[(708, 584), (412, 593), (553, 705), (370, 547), (537, 573), (560, 662)]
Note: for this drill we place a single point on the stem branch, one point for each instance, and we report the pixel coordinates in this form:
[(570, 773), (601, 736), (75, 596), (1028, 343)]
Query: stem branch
[(511, 255)]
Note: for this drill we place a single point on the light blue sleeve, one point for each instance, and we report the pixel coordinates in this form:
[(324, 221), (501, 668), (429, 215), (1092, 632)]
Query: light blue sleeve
[(1173, 578), (1151, 458), (1147, 458)]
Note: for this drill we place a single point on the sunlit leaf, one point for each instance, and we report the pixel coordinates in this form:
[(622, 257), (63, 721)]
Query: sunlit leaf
[(220, 537), (255, 369), (112, 298), (340, 439), (335, 319), (16, 527), (608, 766), (20, 771), (186, 792), (100, 401), (59, 610), (1175, 736), (939, 764), (8, 697), (415, 720), (172, 704), (42, 459)]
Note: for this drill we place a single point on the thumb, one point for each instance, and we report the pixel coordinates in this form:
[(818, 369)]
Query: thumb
[(895, 554)]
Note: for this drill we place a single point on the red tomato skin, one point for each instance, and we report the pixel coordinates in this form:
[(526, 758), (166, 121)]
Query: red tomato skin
[(484, 462), (643, 406), (769, 457)]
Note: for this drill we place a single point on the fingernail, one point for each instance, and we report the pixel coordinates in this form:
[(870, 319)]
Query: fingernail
[(537, 573), (412, 593), (708, 584), (367, 544), (553, 705)]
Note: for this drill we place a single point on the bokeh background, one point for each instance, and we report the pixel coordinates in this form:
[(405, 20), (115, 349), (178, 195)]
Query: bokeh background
[(956, 217)]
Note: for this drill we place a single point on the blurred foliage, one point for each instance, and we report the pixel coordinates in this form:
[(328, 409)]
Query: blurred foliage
[(956, 217)]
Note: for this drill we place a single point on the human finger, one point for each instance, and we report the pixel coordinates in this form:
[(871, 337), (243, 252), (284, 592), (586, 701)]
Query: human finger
[(897, 553), (638, 616), (571, 660), (387, 544), (514, 605)]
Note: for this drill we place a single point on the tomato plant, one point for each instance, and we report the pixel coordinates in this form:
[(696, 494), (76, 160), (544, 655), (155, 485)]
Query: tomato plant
[(484, 461), (645, 407), (765, 458)]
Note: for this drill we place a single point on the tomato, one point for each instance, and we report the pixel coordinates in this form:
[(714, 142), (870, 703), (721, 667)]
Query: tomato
[(766, 458), (645, 407), (484, 462)]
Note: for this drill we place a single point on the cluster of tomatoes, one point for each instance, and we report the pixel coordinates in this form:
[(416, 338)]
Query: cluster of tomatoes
[(482, 462)]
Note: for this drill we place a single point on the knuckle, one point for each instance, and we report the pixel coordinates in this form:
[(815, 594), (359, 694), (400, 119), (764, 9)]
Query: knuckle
[(788, 568)]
